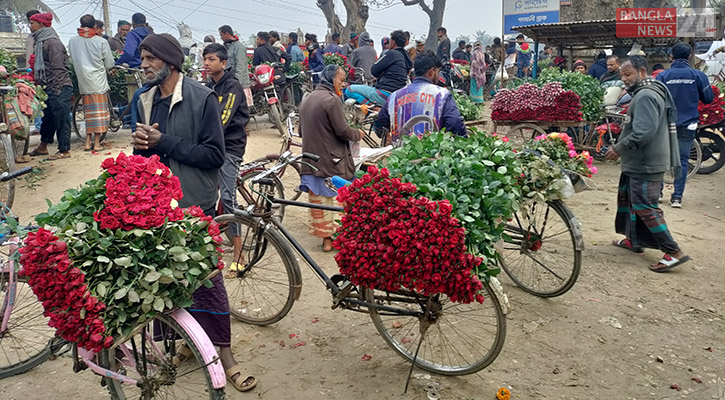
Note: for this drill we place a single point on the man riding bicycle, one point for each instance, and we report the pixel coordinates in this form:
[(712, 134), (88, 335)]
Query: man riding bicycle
[(390, 70), (421, 98)]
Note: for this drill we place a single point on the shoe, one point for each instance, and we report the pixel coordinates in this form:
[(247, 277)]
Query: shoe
[(662, 198), (676, 203)]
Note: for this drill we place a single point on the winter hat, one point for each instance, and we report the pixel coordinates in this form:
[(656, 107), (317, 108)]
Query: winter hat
[(385, 41), (578, 63), (365, 38), (353, 36), (45, 19), (165, 47), (122, 22)]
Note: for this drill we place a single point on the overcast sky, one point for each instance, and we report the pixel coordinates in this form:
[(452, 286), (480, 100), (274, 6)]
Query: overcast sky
[(250, 16)]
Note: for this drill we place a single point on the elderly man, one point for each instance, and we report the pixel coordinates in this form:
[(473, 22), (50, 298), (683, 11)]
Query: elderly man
[(92, 59), (180, 122), (51, 71), (648, 148), (131, 52), (118, 41)]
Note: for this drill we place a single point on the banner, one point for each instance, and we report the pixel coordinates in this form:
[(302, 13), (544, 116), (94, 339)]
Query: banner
[(666, 22), (529, 12)]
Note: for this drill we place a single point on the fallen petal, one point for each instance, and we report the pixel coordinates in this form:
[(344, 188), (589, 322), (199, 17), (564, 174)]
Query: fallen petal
[(366, 357)]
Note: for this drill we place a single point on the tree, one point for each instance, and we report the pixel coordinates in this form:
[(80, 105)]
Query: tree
[(20, 7), (435, 15), (465, 38), (357, 16), (484, 38)]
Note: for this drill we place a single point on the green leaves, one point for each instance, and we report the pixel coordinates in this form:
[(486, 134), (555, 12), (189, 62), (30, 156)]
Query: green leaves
[(469, 110)]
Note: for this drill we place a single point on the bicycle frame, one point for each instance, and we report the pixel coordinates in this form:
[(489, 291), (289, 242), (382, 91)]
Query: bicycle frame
[(9, 267)]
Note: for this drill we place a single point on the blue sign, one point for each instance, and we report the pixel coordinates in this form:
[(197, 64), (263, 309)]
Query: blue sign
[(532, 18)]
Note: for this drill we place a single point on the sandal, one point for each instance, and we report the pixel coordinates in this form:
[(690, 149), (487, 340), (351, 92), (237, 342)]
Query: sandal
[(243, 377), (59, 155), (667, 263), (627, 245), (183, 354), (23, 159), (36, 153)]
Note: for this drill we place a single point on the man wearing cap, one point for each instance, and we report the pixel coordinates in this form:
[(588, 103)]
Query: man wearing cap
[(180, 121), (51, 70), (118, 41), (131, 52), (350, 46)]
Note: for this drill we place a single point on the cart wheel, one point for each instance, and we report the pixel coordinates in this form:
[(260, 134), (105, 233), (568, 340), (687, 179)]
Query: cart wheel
[(522, 132)]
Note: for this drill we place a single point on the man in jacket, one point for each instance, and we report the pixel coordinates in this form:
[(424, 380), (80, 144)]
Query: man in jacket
[(334, 45), (647, 148), (523, 61), (364, 56), (688, 87), (599, 67), (265, 53), (118, 41), (326, 134), (444, 45), (350, 46), (131, 53), (460, 52), (421, 97), (315, 58), (237, 54), (92, 60), (235, 115), (612, 77), (180, 123), (294, 49), (275, 42), (391, 72), (51, 70)]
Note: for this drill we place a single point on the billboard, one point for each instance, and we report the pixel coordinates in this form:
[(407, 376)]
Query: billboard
[(529, 12), (666, 22)]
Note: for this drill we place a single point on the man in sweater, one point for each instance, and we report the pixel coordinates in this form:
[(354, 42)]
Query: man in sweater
[(131, 52), (118, 41), (460, 52), (688, 87), (92, 60), (648, 148), (350, 46)]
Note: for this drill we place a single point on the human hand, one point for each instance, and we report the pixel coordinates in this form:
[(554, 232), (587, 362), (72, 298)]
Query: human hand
[(146, 136), (611, 154), (361, 133)]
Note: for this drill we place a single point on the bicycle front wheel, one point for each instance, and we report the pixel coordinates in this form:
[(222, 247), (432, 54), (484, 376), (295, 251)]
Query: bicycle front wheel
[(463, 338), (25, 343), (264, 287), (542, 250), (148, 358), (7, 164)]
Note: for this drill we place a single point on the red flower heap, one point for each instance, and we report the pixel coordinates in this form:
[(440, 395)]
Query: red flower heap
[(60, 287), (140, 193), (711, 114), (528, 102), (389, 239)]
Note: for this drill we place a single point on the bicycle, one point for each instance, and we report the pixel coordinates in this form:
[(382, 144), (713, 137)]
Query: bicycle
[(117, 113), (712, 144), (434, 333), (364, 117), (7, 153)]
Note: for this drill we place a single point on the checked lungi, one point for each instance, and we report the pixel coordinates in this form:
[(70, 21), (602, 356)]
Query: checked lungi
[(96, 113), (639, 217)]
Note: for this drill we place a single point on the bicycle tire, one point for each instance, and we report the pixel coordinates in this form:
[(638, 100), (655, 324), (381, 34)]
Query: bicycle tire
[(290, 181), (712, 147), (275, 115), (692, 166), (253, 305), (79, 119), (7, 164), (403, 337), (523, 242), (171, 335), (36, 347)]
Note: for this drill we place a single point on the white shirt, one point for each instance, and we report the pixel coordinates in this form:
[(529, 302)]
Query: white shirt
[(92, 58)]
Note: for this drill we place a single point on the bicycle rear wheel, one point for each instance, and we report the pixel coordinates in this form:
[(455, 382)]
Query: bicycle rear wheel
[(712, 145), (7, 164), (542, 251), (26, 343), (79, 119), (693, 164), (463, 339), (148, 356), (263, 292)]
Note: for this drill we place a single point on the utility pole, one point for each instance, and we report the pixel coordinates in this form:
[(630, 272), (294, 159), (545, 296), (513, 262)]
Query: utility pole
[(107, 18)]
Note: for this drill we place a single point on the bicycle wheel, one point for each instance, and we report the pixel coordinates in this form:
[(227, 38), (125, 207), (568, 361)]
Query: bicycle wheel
[(712, 145), (147, 357), (289, 176), (275, 115), (542, 250), (26, 341), (693, 164), (79, 119), (7, 164), (264, 291), (463, 338)]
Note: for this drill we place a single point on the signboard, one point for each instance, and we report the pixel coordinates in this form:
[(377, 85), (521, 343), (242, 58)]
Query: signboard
[(666, 22), (529, 12)]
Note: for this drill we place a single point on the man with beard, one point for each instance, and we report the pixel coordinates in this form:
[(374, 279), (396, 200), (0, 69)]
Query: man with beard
[(118, 41), (179, 121), (612, 77), (648, 148)]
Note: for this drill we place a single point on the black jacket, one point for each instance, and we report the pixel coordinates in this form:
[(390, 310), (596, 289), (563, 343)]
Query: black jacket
[(235, 112), (460, 54), (267, 53), (444, 50), (598, 69), (392, 70)]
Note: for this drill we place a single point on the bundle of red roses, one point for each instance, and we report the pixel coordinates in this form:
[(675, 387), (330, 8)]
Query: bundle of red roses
[(390, 239), (99, 278)]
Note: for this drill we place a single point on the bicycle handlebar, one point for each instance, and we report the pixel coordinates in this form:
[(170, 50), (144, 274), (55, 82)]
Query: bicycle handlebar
[(285, 160), (6, 176)]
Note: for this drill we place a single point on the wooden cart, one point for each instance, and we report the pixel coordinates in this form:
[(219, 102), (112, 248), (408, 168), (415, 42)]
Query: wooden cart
[(525, 130)]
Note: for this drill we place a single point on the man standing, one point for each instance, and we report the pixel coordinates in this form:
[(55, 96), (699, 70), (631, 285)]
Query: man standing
[(460, 52), (647, 148), (131, 53), (100, 31), (266, 53), (350, 46), (334, 45), (469, 49), (385, 43), (235, 115), (237, 54), (523, 61), (364, 56), (599, 67), (275, 42), (51, 71), (92, 59), (612, 77), (444, 45), (118, 41), (294, 49), (180, 123)]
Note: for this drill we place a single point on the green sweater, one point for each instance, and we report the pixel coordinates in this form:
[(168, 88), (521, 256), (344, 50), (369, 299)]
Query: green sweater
[(644, 147)]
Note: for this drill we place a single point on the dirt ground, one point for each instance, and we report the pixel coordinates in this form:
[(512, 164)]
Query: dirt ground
[(671, 328)]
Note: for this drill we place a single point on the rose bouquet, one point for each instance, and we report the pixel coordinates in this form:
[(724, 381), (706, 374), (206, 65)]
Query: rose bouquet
[(121, 252), (711, 114), (335, 58), (559, 148)]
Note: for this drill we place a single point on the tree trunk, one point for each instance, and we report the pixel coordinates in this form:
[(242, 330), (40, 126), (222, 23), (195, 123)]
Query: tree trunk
[(357, 17), (435, 15)]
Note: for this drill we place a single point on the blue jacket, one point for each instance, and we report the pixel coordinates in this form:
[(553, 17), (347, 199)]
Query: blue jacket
[(421, 98), (296, 53), (523, 60), (598, 69), (688, 86), (333, 47), (316, 63), (131, 52)]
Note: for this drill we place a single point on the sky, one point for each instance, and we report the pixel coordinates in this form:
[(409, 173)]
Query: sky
[(462, 17)]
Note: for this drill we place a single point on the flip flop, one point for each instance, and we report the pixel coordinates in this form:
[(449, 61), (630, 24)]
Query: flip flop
[(183, 354), (36, 153), (23, 159), (59, 155), (627, 245), (669, 262), (243, 377)]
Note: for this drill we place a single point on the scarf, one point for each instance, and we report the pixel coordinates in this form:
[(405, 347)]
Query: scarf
[(478, 66), (86, 32), (671, 110), (327, 77), (610, 76), (39, 37)]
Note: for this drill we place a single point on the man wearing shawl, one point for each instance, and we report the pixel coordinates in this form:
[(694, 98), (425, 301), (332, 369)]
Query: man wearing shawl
[(648, 148), (478, 73)]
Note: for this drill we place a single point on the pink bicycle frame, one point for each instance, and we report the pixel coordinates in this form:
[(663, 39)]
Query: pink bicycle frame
[(192, 328), (9, 300)]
